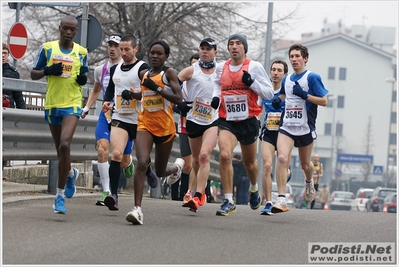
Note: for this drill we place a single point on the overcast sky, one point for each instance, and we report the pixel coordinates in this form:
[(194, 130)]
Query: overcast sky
[(312, 14)]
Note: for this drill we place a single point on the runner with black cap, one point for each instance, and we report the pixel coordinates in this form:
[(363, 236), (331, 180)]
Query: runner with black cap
[(201, 122)]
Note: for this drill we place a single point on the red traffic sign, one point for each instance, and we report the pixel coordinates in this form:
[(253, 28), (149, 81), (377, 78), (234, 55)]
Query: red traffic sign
[(18, 40)]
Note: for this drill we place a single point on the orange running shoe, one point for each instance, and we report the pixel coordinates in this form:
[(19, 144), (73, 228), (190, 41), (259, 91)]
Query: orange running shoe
[(186, 199)]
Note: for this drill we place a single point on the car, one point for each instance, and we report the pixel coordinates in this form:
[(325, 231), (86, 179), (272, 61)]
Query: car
[(341, 200), (376, 202), (289, 196), (390, 203), (297, 189), (361, 198)]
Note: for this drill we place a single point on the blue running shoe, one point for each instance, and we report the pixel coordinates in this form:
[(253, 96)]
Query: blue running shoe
[(152, 178), (267, 210), (70, 188), (111, 201), (226, 208), (59, 205), (254, 200), (289, 177)]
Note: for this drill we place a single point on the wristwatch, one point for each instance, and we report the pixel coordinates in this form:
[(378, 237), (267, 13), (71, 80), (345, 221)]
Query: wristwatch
[(159, 89)]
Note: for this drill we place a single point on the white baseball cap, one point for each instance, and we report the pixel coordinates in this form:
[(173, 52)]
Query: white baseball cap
[(114, 38)]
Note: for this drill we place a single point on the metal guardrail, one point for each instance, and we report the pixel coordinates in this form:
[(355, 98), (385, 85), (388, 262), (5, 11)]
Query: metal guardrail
[(26, 135)]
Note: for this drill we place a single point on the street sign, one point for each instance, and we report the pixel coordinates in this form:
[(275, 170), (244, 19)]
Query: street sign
[(18, 40), (94, 33), (338, 173), (378, 170)]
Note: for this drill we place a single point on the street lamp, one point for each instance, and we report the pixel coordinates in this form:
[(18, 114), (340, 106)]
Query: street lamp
[(391, 126), (333, 99)]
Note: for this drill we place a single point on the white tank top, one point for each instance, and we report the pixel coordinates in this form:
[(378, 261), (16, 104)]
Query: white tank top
[(199, 90), (126, 110)]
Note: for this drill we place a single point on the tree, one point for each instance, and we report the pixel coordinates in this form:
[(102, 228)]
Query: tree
[(181, 24)]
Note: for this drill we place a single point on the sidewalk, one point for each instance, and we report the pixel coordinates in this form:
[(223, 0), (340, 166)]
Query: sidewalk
[(12, 192)]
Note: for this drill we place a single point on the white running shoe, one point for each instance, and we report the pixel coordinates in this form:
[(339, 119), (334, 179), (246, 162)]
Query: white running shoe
[(179, 163), (135, 216), (280, 205), (309, 192)]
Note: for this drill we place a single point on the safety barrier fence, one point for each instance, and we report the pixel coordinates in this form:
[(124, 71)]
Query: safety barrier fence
[(26, 136)]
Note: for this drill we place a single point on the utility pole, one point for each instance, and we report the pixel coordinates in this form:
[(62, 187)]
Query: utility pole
[(268, 46)]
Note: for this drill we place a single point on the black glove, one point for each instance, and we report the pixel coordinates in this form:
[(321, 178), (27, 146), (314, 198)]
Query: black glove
[(298, 91), (176, 109), (184, 106), (215, 102), (81, 79), (55, 69), (150, 84), (127, 95), (276, 102), (246, 78)]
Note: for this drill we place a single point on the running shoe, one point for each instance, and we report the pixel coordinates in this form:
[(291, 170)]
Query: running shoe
[(267, 210), (135, 216), (173, 178), (100, 202), (129, 170), (226, 208), (70, 188), (186, 199), (280, 206), (111, 201), (195, 202), (59, 205), (289, 177), (254, 200), (152, 178), (309, 192)]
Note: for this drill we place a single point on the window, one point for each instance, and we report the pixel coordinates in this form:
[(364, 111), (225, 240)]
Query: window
[(341, 101), (342, 73), (327, 129), (331, 73), (393, 117), (339, 129)]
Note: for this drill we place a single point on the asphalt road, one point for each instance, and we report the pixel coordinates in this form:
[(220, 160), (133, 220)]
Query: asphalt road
[(171, 234)]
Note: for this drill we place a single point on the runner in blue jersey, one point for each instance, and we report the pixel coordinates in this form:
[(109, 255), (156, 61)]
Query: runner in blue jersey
[(303, 91)]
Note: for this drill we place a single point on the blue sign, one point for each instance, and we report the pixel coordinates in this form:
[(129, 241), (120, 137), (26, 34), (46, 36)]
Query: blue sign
[(338, 173), (353, 158), (378, 170)]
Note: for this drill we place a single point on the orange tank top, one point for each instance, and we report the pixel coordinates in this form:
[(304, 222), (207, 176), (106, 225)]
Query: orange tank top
[(238, 101), (156, 116)]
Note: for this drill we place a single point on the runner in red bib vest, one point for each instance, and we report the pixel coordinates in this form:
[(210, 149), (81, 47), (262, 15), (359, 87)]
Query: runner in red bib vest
[(238, 84)]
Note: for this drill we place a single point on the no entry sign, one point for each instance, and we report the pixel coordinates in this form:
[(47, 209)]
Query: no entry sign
[(18, 40)]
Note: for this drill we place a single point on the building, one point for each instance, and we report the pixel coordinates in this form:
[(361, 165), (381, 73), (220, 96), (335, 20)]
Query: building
[(359, 68)]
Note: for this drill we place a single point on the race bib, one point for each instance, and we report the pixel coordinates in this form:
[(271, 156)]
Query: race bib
[(152, 101), (67, 65), (202, 110), (273, 120), (295, 114), (236, 107)]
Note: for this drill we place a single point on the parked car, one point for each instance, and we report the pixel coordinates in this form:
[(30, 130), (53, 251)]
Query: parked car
[(376, 202), (297, 189), (362, 196), (390, 202), (341, 200), (289, 196)]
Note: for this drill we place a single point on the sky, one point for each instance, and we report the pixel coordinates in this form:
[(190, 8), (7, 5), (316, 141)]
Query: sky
[(312, 14)]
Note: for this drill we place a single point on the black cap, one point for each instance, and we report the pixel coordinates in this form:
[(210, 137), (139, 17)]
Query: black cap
[(211, 42)]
